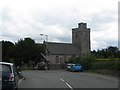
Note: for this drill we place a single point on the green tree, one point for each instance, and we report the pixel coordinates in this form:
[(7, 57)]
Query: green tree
[(113, 51), (26, 50), (7, 47), (110, 52), (85, 61)]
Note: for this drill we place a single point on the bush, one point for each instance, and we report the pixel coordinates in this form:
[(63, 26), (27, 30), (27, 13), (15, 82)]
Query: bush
[(74, 60), (106, 64), (97, 65), (85, 61), (90, 62)]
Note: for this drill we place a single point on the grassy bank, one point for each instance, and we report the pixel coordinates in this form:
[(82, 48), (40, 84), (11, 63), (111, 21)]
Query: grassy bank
[(104, 71)]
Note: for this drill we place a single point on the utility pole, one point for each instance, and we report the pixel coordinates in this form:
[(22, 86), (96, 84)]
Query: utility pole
[(46, 36)]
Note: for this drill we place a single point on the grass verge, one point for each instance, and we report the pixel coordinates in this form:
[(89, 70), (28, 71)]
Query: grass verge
[(104, 71)]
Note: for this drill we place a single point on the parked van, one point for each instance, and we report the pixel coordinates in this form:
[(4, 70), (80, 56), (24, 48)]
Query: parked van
[(76, 67), (68, 66), (9, 76)]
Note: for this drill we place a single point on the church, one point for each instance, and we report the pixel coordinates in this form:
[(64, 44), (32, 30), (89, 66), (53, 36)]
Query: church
[(59, 53)]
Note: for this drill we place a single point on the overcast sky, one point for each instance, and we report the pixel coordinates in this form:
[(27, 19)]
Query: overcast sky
[(56, 18)]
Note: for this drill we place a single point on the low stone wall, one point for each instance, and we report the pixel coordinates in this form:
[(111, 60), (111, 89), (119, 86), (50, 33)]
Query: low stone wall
[(50, 66), (56, 66)]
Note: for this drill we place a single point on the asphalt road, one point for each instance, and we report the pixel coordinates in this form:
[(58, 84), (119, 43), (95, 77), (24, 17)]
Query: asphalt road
[(66, 79)]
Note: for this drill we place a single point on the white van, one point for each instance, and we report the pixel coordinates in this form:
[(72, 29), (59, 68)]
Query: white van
[(68, 66)]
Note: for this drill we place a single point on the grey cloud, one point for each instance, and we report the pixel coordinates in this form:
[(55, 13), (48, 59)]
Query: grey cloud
[(5, 14), (5, 19), (56, 19), (101, 18), (66, 39)]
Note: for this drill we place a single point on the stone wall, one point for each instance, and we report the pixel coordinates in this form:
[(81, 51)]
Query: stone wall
[(58, 59), (56, 66), (81, 38)]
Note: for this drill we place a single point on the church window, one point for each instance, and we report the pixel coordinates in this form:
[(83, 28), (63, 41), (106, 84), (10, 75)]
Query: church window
[(57, 59), (76, 35)]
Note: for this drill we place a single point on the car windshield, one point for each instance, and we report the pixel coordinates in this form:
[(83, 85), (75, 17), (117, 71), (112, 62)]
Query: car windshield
[(4, 68)]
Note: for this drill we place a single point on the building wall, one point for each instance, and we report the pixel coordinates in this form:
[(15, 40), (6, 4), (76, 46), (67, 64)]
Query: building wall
[(58, 59), (56, 66), (81, 38)]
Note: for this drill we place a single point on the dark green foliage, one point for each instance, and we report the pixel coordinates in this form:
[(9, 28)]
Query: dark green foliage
[(7, 48), (85, 61), (23, 51), (109, 59), (89, 62), (102, 59), (74, 60), (110, 52), (106, 64), (27, 51)]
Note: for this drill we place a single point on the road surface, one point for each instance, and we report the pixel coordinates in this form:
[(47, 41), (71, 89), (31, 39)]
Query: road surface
[(66, 79)]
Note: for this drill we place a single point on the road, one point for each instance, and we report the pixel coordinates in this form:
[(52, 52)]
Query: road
[(66, 79)]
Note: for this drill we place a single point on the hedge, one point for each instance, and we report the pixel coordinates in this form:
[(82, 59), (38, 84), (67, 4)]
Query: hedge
[(106, 64)]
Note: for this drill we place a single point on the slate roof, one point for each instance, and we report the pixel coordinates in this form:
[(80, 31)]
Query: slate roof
[(62, 48)]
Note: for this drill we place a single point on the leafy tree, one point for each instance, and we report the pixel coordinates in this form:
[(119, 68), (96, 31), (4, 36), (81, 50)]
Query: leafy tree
[(110, 52), (27, 50), (23, 51), (85, 61), (7, 47), (113, 51), (74, 60)]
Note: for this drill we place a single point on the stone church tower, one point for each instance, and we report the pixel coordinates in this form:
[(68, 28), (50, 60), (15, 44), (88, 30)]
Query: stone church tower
[(81, 38)]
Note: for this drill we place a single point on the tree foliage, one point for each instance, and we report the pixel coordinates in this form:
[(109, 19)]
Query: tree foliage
[(7, 48), (23, 51), (110, 52), (90, 61), (85, 61)]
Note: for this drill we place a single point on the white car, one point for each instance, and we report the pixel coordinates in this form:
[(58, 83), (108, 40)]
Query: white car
[(68, 66)]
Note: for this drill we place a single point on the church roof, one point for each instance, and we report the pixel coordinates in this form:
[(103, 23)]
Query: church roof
[(62, 48)]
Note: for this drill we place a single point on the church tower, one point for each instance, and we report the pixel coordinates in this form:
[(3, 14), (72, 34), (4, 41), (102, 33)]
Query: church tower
[(81, 38)]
